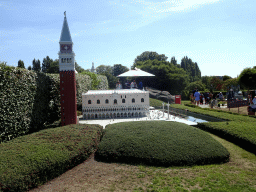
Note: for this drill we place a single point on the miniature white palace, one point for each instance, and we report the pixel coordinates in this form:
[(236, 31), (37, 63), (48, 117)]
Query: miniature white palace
[(99, 104)]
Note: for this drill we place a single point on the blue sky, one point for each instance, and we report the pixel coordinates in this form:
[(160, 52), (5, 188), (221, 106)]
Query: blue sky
[(217, 34)]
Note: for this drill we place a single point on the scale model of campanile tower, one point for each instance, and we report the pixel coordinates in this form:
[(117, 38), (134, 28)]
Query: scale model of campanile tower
[(67, 77)]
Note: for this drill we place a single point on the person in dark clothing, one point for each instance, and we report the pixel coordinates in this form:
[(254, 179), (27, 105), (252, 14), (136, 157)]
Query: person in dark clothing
[(206, 95), (140, 85)]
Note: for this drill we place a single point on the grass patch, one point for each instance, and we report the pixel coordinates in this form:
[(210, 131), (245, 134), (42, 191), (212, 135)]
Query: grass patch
[(31, 160), (239, 128), (159, 143)]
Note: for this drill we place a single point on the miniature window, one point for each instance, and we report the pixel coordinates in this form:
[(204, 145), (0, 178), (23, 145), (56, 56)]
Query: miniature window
[(115, 101), (98, 101), (133, 100), (123, 100), (142, 100), (106, 101), (89, 102)]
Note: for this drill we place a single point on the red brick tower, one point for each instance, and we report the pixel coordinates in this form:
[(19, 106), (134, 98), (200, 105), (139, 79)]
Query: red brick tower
[(67, 77)]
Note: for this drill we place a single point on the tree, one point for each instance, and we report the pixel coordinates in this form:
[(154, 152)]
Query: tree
[(36, 65), (173, 61), (217, 83), (191, 86), (229, 82), (29, 68), (247, 78), (226, 77), (168, 77), (78, 68), (191, 68), (119, 69), (21, 64), (54, 66), (46, 64), (108, 71), (149, 55)]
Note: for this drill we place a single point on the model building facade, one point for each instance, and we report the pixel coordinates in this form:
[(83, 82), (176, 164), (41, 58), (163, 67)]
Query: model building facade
[(101, 104)]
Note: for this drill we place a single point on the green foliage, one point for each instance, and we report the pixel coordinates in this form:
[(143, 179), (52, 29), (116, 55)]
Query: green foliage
[(36, 66), (247, 78), (28, 101), (108, 71), (168, 77), (191, 68), (78, 68), (239, 128), (34, 159), (29, 68), (226, 77), (159, 143), (46, 64), (54, 67), (229, 82), (190, 87), (21, 64), (206, 80), (119, 69), (217, 83), (149, 55), (155, 102), (95, 82)]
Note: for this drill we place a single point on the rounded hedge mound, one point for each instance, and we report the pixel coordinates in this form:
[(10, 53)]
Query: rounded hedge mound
[(159, 143)]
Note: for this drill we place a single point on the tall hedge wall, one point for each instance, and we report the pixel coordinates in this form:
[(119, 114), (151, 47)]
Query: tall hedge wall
[(30, 100)]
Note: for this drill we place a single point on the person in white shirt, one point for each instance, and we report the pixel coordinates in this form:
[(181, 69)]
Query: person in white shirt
[(133, 85)]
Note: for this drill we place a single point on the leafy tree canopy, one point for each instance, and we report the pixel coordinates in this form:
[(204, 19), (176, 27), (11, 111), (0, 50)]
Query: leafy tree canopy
[(168, 77), (78, 68), (46, 64), (247, 78), (149, 55), (95, 81), (108, 71), (226, 77), (21, 64), (119, 69), (36, 66)]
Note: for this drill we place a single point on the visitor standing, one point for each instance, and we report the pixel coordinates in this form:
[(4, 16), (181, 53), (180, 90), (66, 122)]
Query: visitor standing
[(197, 97), (127, 85), (133, 85), (206, 97), (194, 91), (221, 96), (140, 85), (201, 99)]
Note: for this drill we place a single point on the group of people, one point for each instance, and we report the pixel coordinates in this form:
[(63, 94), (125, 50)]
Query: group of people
[(128, 85), (199, 98)]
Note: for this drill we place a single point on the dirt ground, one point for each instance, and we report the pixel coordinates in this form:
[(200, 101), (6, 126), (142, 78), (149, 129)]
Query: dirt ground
[(240, 110), (90, 176)]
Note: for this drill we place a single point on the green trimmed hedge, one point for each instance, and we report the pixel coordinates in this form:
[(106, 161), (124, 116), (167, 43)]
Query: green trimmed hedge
[(239, 129), (30, 101), (159, 143), (31, 160)]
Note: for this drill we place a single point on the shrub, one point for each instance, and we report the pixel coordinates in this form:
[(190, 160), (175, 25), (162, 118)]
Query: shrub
[(159, 143), (31, 160)]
